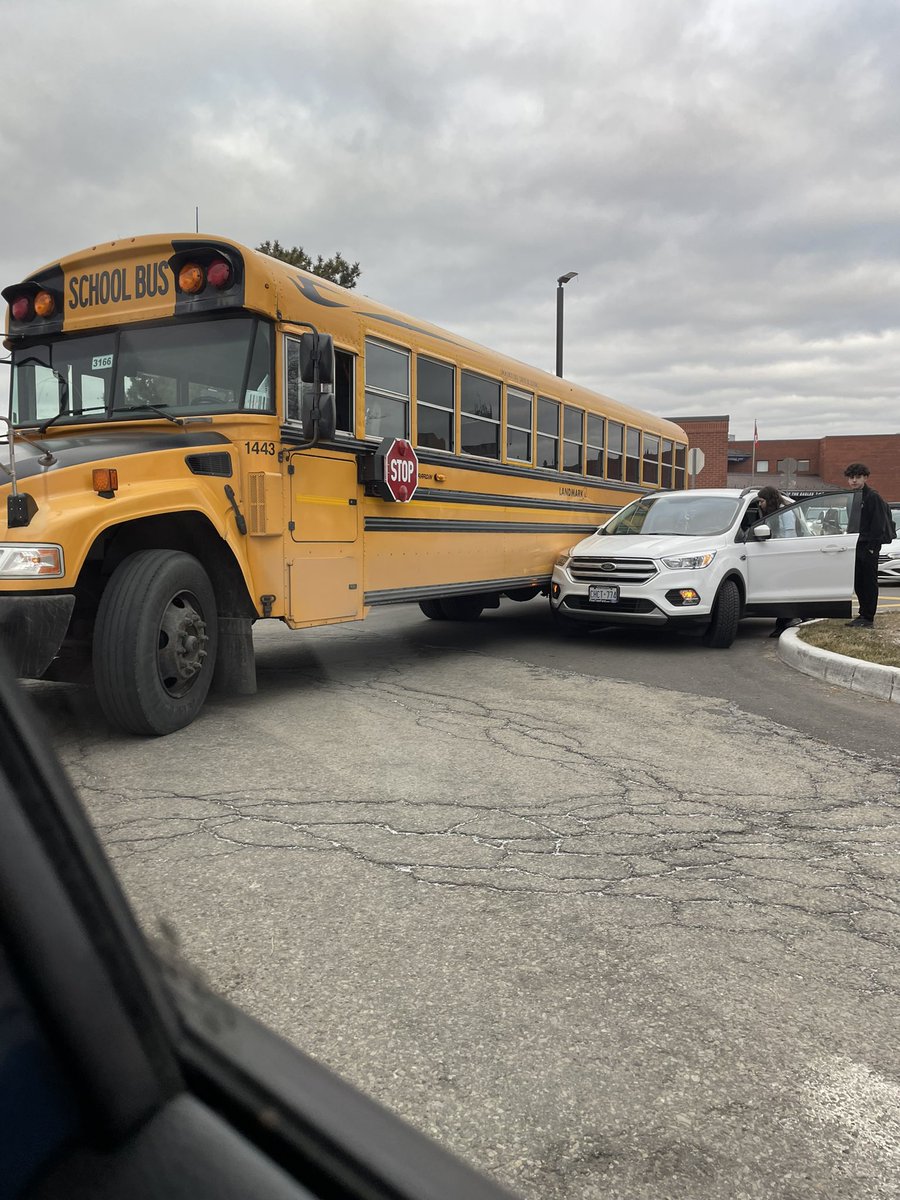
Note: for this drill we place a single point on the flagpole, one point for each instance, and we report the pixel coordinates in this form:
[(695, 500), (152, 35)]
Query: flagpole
[(753, 463)]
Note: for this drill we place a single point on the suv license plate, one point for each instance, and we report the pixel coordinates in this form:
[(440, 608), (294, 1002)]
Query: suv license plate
[(603, 595)]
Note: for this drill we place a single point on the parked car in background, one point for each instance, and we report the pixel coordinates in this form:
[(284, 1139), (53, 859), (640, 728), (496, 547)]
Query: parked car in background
[(889, 558), (705, 558)]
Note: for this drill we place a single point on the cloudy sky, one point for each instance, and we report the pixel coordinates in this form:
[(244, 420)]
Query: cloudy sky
[(724, 175)]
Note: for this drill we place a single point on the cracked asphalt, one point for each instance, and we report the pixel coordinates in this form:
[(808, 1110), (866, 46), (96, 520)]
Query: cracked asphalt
[(613, 918)]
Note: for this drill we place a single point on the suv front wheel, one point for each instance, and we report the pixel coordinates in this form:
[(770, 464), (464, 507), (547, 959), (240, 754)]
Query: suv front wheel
[(723, 626)]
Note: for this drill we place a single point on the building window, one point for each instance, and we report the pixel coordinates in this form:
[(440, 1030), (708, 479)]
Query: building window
[(594, 458), (519, 410), (803, 465), (614, 450), (651, 458), (633, 456), (573, 439), (387, 390), (547, 433), (762, 465), (480, 405), (435, 390)]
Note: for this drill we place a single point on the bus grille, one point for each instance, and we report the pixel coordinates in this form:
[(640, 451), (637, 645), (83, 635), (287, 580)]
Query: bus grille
[(612, 570)]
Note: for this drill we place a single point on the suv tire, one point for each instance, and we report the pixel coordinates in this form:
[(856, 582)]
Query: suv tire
[(723, 626)]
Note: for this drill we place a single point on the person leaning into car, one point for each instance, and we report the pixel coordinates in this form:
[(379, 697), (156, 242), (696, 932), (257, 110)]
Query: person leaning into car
[(866, 519), (771, 501)]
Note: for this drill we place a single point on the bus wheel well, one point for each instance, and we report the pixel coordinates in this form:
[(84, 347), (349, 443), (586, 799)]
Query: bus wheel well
[(190, 533)]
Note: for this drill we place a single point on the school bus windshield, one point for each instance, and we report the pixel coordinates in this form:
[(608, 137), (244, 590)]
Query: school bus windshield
[(195, 367)]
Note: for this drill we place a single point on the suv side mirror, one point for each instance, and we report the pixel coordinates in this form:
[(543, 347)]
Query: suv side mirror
[(762, 533)]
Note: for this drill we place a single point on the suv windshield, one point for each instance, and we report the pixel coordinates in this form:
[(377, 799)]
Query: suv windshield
[(209, 366), (678, 513)]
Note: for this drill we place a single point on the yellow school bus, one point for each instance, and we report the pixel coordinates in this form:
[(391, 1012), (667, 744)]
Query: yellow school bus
[(201, 436)]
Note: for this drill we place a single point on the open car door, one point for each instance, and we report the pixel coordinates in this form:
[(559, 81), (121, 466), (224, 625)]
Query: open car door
[(122, 1079), (806, 561)]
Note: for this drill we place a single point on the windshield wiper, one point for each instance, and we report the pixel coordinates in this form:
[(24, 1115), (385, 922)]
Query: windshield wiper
[(159, 409), (64, 412)]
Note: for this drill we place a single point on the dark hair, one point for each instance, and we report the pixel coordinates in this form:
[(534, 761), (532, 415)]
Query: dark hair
[(856, 469), (772, 497)]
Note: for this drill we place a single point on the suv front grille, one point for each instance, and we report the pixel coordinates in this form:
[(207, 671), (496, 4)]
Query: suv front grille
[(612, 570)]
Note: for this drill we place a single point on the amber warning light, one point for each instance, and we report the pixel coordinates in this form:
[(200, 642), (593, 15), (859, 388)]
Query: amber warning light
[(106, 481)]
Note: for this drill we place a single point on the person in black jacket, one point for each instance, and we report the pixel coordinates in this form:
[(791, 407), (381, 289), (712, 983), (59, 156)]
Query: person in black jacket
[(866, 519)]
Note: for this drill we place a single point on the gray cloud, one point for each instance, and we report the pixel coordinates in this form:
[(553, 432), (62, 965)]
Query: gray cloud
[(724, 176)]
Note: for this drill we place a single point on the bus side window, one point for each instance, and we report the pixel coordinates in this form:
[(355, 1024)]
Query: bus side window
[(344, 390), (387, 390)]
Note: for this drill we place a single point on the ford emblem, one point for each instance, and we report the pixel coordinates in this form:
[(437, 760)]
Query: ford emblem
[(607, 566)]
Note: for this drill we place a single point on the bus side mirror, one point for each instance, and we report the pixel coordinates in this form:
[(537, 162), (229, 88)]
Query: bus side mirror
[(318, 412), (317, 358)]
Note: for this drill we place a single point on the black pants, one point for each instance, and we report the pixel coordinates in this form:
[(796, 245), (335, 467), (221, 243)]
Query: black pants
[(865, 579)]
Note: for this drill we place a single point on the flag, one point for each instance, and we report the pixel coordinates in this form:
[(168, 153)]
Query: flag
[(755, 436)]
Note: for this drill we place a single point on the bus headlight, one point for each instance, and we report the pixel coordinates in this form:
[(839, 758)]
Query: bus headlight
[(690, 562), (31, 562)]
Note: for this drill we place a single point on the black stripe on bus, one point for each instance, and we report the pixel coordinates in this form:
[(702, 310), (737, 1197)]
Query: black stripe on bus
[(492, 501), (405, 595), (354, 445), (427, 525), (74, 451)]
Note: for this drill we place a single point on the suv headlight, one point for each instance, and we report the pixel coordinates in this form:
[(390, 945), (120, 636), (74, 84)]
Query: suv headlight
[(31, 562), (564, 559), (690, 562)]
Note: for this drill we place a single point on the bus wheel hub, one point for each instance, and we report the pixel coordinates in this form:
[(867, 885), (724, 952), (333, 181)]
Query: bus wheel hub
[(182, 644)]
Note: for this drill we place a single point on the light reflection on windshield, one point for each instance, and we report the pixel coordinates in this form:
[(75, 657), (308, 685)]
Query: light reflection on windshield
[(680, 513)]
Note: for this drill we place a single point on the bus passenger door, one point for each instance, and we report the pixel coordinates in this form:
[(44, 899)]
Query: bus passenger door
[(325, 554)]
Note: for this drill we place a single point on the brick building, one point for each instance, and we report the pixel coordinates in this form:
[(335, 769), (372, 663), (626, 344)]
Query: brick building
[(791, 464)]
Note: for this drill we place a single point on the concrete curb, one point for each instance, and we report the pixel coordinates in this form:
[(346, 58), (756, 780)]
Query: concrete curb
[(871, 678)]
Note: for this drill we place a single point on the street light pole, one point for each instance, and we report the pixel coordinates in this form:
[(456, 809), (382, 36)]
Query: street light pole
[(563, 279)]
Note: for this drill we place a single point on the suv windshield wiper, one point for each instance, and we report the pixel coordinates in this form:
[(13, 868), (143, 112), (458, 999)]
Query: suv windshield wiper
[(159, 409)]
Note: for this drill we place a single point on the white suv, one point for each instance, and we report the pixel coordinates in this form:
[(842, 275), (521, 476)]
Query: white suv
[(706, 557)]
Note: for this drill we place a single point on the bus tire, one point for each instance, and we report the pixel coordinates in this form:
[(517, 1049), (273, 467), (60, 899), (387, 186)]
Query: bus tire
[(723, 627), (433, 609), (522, 594), (462, 608), (155, 642)]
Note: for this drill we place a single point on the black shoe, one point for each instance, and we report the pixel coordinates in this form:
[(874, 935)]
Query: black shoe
[(860, 623)]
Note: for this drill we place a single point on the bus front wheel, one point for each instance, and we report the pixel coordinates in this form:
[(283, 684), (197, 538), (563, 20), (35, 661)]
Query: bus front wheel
[(155, 641)]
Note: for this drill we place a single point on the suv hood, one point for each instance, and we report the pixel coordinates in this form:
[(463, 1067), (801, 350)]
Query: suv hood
[(638, 545)]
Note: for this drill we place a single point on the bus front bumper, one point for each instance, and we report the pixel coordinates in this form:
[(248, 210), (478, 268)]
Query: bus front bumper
[(32, 629)]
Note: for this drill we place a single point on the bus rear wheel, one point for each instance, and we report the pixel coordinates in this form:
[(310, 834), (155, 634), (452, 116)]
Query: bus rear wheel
[(433, 609), (462, 608), (155, 642)]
